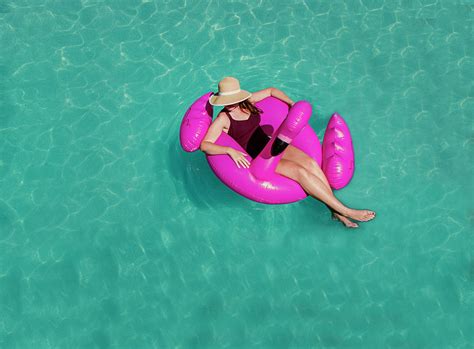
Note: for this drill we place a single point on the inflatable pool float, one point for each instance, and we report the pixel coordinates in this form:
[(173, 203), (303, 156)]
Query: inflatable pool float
[(338, 153), (286, 126)]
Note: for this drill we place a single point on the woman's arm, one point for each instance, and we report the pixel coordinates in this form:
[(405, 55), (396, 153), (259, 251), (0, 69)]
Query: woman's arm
[(209, 147), (214, 131), (271, 91)]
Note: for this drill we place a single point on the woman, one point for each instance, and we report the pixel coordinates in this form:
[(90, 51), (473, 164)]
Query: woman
[(240, 119)]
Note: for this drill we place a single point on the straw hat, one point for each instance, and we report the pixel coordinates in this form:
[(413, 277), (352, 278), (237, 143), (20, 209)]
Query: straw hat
[(229, 92)]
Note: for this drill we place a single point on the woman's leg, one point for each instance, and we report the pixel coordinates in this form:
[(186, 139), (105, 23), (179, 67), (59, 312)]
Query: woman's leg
[(316, 188), (301, 158)]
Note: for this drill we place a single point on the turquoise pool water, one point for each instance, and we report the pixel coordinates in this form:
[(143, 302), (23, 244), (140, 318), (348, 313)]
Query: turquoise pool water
[(112, 237)]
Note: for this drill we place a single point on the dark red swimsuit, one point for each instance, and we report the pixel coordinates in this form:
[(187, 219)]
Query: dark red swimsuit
[(248, 134)]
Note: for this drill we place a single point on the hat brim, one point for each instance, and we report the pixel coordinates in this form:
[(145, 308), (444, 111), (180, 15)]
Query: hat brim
[(231, 99)]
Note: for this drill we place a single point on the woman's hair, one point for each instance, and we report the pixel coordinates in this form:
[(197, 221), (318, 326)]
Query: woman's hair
[(248, 106)]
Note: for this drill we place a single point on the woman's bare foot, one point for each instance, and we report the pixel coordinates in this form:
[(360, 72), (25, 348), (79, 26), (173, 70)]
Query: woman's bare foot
[(360, 215), (344, 220)]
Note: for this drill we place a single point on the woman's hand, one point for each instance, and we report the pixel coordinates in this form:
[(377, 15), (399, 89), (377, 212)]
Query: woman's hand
[(238, 157)]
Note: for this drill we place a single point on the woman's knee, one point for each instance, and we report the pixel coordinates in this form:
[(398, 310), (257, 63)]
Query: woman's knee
[(301, 172), (292, 170), (310, 164), (301, 158)]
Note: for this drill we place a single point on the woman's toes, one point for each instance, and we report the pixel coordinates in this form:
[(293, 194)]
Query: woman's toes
[(369, 215), (346, 221), (362, 215), (351, 224)]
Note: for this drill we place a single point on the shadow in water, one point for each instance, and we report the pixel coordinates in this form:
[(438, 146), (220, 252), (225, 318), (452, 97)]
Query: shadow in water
[(202, 187)]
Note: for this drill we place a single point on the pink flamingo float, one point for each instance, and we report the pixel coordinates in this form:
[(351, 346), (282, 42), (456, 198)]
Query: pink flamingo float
[(286, 125)]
